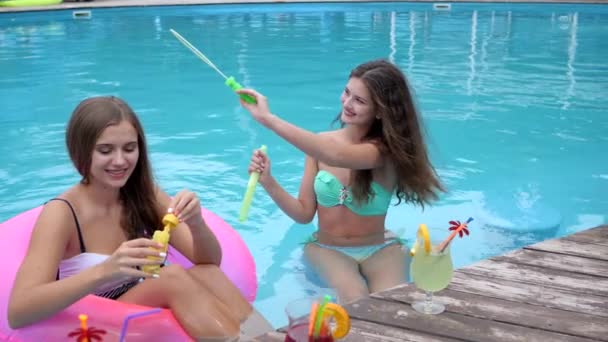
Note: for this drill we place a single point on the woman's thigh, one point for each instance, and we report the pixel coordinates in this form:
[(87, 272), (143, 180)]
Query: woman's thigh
[(339, 270), (216, 282), (173, 282), (386, 268), (197, 309)]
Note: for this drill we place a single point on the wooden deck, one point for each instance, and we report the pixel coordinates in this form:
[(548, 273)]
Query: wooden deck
[(556, 290)]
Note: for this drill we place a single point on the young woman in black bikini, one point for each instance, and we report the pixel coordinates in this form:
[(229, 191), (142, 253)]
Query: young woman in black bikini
[(95, 236)]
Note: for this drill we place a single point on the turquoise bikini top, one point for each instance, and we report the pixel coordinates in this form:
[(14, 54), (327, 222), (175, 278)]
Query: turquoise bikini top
[(330, 192)]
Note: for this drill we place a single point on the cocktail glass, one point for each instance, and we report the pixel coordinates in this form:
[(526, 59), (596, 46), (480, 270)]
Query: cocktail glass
[(431, 272), (298, 314)]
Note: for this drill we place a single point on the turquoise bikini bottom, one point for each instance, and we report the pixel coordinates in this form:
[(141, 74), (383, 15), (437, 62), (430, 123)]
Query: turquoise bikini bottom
[(360, 253)]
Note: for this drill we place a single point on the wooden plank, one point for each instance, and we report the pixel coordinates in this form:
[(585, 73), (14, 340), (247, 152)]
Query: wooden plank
[(563, 246), (569, 263), (547, 277), (272, 336), (598, 235), (526, 293), (500, 310), (448, 324), (599, 232), (364, 331)]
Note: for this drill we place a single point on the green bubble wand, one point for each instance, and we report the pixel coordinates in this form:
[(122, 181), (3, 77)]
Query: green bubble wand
[(234, 85), (251, 184), (230, 81)]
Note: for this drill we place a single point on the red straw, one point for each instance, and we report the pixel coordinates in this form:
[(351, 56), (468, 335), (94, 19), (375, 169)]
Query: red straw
[(324, 328)]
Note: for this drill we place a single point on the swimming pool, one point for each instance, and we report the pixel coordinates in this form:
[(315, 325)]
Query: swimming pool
[(514, 98)]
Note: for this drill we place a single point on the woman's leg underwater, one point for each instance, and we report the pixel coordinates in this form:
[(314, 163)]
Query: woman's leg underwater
[(339, 270), (386, 268)]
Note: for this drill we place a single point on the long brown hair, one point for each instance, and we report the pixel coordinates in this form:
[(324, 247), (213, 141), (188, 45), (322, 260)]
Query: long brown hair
[(140, 213), (398, 134)]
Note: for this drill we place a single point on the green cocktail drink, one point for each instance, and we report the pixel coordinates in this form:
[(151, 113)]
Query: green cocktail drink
[(432, 271)]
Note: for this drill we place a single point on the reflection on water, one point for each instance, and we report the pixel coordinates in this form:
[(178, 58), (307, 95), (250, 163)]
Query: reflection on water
[(571, 59), (512, 97)]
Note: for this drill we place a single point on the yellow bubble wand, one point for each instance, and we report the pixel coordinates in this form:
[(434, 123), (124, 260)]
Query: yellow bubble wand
[(162, 236)]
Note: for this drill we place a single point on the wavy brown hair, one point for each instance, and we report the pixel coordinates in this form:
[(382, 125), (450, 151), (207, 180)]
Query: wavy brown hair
[(398, 134), (140, 214)]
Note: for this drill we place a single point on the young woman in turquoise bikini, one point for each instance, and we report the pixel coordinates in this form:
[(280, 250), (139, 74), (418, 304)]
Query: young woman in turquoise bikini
[(350, 176)]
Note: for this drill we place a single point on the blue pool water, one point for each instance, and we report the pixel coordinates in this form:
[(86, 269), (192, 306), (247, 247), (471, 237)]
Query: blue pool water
[(513, 96)]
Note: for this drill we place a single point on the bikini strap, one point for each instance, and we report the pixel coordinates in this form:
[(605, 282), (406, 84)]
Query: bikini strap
[(80, 239)]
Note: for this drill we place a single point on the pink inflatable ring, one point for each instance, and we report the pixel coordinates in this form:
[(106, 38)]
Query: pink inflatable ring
[(144, 323)]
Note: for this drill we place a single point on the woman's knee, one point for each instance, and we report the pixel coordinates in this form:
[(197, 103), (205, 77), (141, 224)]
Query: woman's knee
[(350, 291), (213, 318), (205, 269), (173, 273), (211, 276), (173, 277), (215, 281), (216, 326), (348, 285)]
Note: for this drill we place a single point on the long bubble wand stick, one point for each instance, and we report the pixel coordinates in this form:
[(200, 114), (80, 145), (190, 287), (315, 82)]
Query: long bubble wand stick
[(230, 81), (254, 177)]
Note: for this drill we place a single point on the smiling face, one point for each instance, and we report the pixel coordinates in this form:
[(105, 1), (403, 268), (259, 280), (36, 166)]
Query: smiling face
[(107, 145), (357, 105), (115, 155)]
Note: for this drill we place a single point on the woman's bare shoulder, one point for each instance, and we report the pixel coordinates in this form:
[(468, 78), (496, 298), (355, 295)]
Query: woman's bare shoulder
[(57, 217)]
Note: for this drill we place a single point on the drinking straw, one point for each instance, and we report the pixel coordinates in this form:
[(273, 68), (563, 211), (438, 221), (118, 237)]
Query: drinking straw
[(445, 243), (83, 321), (324, 331), (125, 323), (319, 317), (254, 177), (312, 318), (83, 326)]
